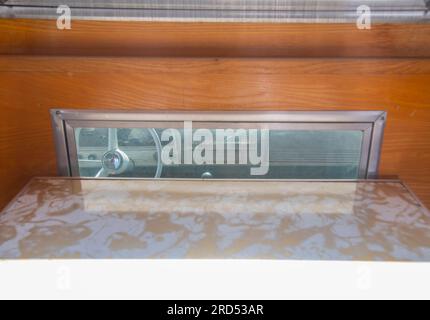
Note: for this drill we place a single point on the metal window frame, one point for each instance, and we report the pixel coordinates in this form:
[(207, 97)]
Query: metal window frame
[(372, 123)]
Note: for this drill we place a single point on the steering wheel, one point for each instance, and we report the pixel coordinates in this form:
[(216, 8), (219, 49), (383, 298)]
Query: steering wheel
[(116, 162)]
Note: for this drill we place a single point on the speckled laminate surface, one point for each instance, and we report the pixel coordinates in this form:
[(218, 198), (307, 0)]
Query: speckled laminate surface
[(66, 218)]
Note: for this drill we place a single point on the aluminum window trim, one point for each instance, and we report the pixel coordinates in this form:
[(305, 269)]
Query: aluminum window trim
[(286, 125), (220, 116), (376, 146), (366, 150), (372, 123), (61, 145)]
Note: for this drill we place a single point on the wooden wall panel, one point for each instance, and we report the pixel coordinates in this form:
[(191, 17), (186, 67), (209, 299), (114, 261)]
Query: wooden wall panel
[(96, 38), (30, 86)]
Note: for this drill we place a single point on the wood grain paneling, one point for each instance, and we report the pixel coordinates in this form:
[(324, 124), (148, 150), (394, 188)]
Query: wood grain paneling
[(30, 86), (96, 38)]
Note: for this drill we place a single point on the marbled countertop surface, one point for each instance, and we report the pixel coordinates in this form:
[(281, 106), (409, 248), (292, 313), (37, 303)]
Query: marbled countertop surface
[(67, 218)]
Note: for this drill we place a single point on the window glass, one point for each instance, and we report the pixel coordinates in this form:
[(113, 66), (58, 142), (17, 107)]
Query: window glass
[(219, 153)]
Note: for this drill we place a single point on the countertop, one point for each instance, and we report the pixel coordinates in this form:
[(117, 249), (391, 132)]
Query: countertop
[(215, 219)]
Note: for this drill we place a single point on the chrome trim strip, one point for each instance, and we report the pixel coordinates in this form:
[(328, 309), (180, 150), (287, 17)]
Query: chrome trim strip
[(309, 5), (365, 152), (376, 146), (72, 150), (233, 180), (286, 125), (222, 10), (221, 116), (60, 139)]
